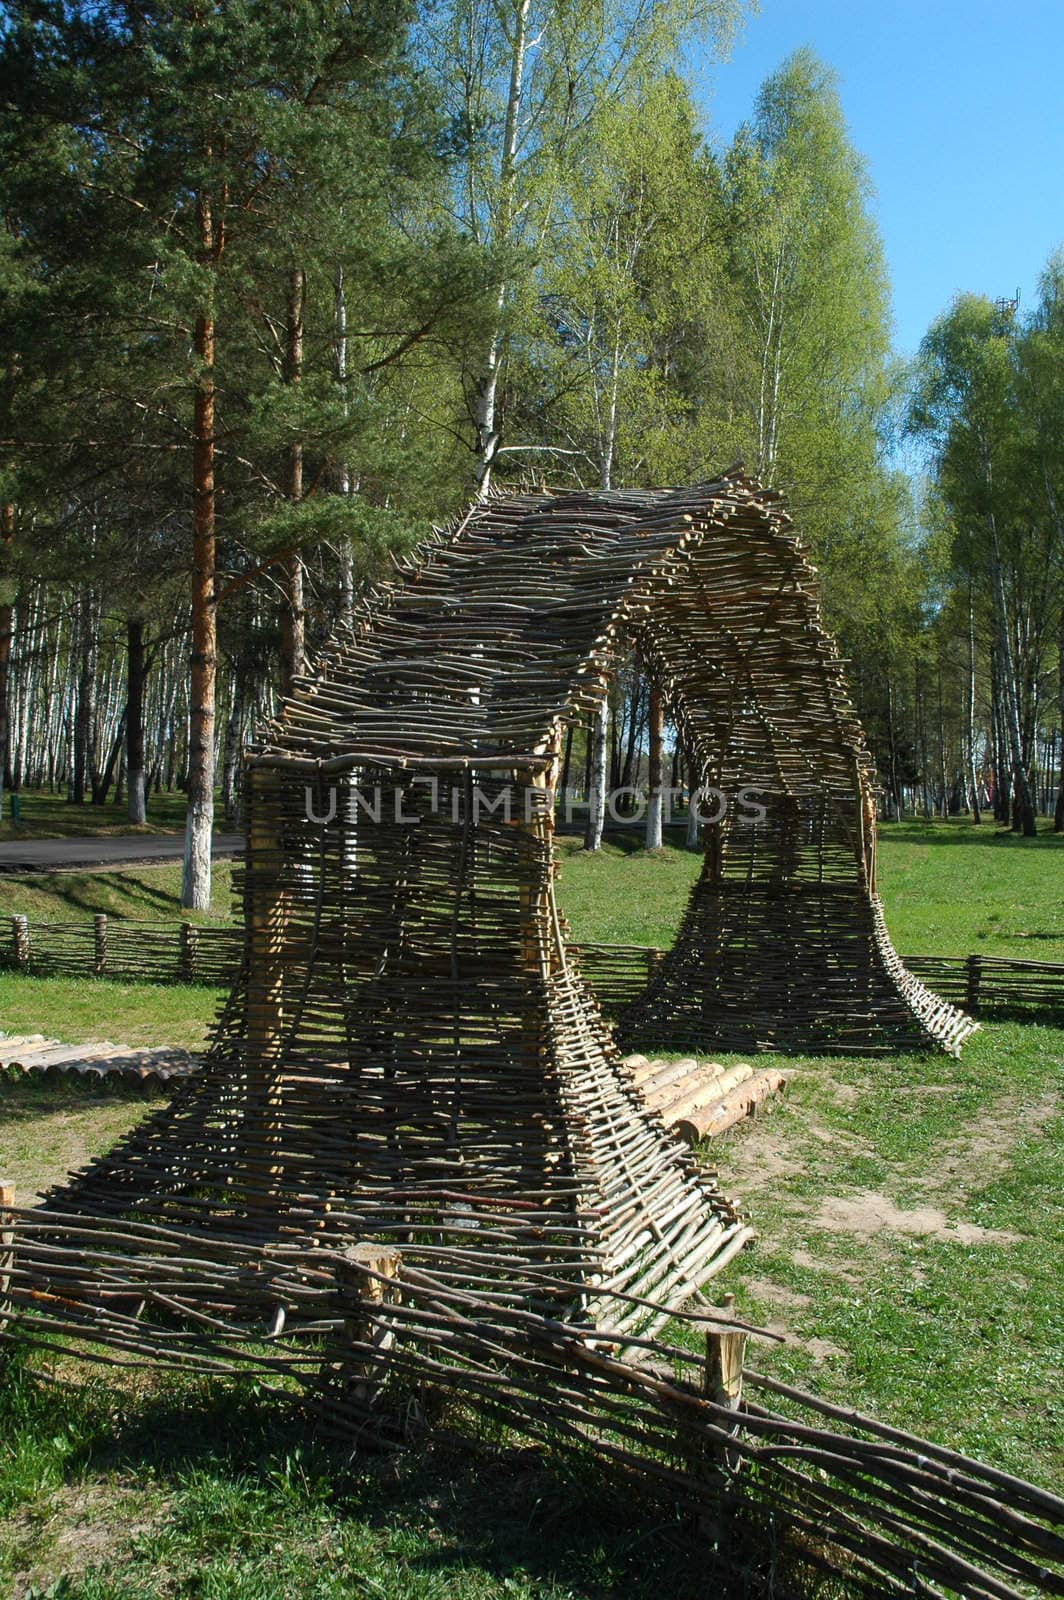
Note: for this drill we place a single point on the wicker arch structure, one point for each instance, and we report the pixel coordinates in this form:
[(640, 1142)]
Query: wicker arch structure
[(416, 1165), (410, 1045), (509, 628)]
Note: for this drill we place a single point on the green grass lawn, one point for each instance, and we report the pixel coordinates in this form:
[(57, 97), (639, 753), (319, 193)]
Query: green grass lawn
[(84, 1010), (146, 894), (953, 889), (949, 889), (910, 1219), (910, 1228), (51, 816)]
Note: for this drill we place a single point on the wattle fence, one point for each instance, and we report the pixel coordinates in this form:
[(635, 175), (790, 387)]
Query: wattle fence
[(125, 950), (186, 952)]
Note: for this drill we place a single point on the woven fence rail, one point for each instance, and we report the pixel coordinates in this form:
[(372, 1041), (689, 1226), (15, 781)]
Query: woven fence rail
[(124, 950), (183, 952), (988, 984), (980, 985), (781, 1485)]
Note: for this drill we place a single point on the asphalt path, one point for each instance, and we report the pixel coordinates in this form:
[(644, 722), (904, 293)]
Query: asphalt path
[(107, 850)]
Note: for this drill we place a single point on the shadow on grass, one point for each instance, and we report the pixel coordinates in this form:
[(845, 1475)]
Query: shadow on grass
[(230, 1466), (626, 841), (961, 830), (116, 893), (41, 1095), (52, 816)]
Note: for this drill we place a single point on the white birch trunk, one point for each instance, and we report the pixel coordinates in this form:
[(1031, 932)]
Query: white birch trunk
[(347, 564), (656, 720), (485, 421), (596, 815)]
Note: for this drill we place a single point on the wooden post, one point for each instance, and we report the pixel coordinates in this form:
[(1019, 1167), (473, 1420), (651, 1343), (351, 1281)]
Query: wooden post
[(723, 1377), (540, 955), (359, 1274), (7, 1240), (99, 922), (265, 915), (186, 954), (655, 733), (975, 975), (20, 942)]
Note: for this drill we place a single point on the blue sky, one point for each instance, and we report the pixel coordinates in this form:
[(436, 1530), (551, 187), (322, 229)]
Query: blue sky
[(958, 109)]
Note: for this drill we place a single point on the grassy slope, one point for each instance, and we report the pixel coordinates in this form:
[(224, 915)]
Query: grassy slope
[(146, 894), (949, 888), (910, 1228), (50, 816)]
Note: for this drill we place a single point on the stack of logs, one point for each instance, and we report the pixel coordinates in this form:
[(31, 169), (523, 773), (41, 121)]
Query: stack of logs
[(700, 1099)]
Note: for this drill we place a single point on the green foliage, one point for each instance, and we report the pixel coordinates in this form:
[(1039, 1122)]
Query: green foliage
[(987, 398), (168, 164)]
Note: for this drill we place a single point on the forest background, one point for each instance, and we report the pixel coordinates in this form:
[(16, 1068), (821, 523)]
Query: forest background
[(281, 287)]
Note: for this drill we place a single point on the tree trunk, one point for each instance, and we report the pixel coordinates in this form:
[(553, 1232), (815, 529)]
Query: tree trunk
[(1024, 804), (485, 419), (634, 727), (347, 565), (86, 709), (893, 791), (615, 732), (1002, 767), (293, 621), (972, 775), (135, 673), (231, 760), (1058, 810), (199, 818), (596, 814), (101, 781), (567, 762), (694, 827), (27, 749), (656, 727), (943, 777), (7, 618)]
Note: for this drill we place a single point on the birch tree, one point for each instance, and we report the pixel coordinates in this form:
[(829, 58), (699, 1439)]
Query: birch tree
[(961, 405), (809, 296), (521, 82), (637, 268)]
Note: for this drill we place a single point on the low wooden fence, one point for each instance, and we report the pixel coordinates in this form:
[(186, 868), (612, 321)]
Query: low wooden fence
[(617, 972), (993, 983), (981, 985), (122, 949), (185, 952)]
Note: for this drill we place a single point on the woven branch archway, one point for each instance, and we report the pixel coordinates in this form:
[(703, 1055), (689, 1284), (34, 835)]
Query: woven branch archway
[(410, 1042), (509, 629), (415, 1164)]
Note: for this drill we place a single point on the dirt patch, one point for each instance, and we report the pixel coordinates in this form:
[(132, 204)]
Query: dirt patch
[(770, 1293), (845, 1094), (869, 1214), (775, 1294), (983, 1151), (851, 1143), (763, 1159), (823, 1350), (87, 1527), (811, 1263)]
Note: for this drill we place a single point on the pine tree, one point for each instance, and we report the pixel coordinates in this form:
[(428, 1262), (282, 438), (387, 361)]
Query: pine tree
[(203, 158)]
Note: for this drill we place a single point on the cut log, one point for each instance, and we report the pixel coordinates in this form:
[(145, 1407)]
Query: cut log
[(704, 1091), (741, 1101)]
